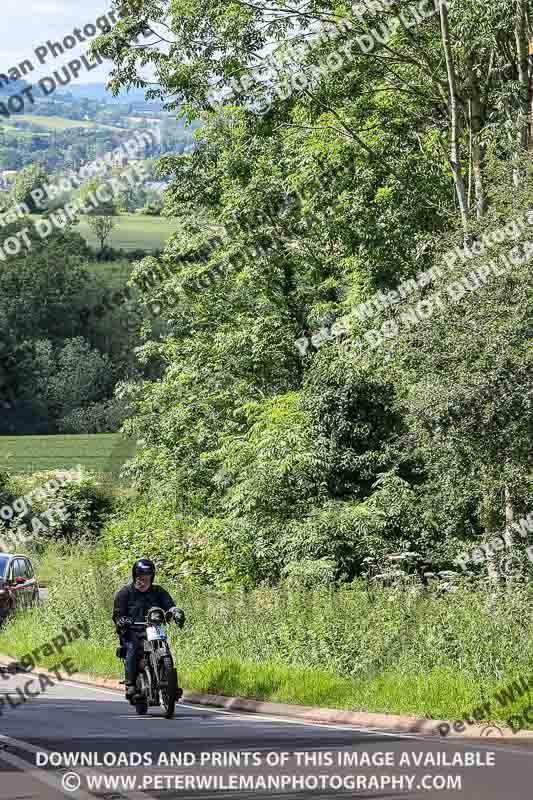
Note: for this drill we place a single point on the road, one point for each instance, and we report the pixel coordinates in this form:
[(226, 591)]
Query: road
[(69, 718)]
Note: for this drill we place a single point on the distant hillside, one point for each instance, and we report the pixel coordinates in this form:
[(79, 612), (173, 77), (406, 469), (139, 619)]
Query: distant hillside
[(17, 87), (13, 87), (98, 91), (90, 91)]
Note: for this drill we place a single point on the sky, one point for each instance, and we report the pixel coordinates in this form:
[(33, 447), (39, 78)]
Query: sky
[(31, 23)]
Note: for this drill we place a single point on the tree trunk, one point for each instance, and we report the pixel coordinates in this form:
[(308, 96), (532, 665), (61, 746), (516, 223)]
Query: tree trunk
[(509, 509), (476, 123), (522, 57), (470, 156), (491, 529), (530, 80), (455, 154)]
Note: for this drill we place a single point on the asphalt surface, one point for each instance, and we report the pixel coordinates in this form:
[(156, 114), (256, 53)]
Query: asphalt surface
[(71, 719)]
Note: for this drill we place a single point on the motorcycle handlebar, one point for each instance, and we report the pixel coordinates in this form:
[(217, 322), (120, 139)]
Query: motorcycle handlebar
[(144, 624)]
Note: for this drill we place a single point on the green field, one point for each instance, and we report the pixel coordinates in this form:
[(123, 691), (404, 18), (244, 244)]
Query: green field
[(134, 232), (22, 134), (26, 454), (61, 123), (116, 273)]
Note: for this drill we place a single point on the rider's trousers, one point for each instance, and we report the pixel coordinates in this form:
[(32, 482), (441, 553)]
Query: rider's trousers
[(131, 656)]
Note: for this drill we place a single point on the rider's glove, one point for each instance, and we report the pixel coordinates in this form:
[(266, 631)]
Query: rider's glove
[(178, 615), (123, 623)]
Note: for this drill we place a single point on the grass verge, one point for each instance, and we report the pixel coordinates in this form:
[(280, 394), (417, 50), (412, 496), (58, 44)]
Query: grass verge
[(319, 648)]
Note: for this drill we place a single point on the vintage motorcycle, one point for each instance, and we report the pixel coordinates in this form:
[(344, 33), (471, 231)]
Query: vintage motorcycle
[(157, 680)]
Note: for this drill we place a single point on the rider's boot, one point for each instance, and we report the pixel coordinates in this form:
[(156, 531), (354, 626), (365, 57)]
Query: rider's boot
[(131, 681)]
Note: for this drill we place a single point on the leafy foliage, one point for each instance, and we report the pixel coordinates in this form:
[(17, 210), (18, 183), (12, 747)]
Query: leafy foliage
[(313, 185), (30, 180), (101, 226)]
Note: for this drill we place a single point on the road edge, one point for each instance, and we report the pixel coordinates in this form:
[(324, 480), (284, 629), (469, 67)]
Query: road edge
[(394, 723)]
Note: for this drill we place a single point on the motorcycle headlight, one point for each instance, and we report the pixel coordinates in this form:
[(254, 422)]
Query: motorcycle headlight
[(155, 616)]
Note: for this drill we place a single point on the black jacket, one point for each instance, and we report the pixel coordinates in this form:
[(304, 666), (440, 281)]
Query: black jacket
[(130, 602)]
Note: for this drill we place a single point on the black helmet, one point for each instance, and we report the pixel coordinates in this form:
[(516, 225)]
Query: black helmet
[(143, 566)]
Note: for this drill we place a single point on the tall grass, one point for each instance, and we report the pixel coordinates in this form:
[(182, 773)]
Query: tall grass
[(385, 651)]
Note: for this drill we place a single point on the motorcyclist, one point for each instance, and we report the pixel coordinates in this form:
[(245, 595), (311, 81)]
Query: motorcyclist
[(132, 604)]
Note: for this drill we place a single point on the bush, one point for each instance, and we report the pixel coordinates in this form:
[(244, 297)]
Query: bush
[(88, 507), (86, 504), (215, 553), (14, 537), (105, 417), (6, 495), (154, 529), (152, 209), (310, 573), (116, 254)]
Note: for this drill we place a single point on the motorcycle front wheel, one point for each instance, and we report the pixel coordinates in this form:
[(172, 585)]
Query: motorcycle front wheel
[(141, 707), (169, 688), (141, 698)]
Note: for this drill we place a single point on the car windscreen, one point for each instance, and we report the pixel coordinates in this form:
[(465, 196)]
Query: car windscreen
[(3, 564)]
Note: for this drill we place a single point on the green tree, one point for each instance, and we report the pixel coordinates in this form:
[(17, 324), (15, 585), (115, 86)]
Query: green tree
[(101, 227), (104, 207), (41, 294), (30, 179), (132, 198), (324, 181), (71, 375), (464, 377)]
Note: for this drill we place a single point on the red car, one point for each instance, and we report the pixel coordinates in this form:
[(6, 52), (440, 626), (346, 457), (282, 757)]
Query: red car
[(18, 584)]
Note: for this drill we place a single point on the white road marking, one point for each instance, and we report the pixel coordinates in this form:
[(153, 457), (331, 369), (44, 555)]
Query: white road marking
[(282, 721), (41, 775), (45, 776), (311, 723)]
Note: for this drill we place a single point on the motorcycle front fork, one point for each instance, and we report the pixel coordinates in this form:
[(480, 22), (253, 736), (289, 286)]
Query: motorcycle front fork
[(149, 681)]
